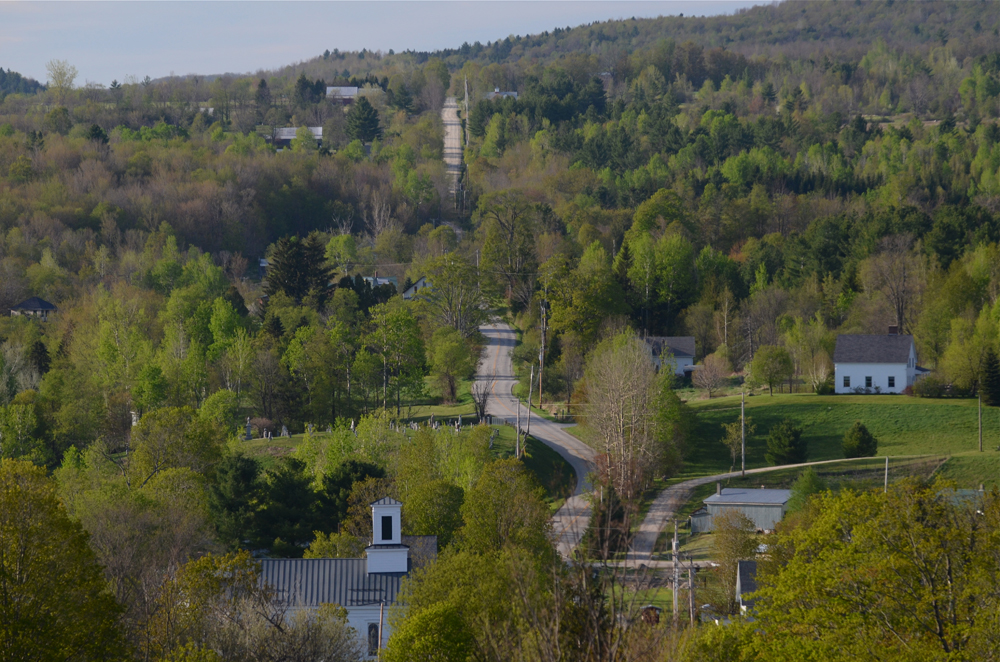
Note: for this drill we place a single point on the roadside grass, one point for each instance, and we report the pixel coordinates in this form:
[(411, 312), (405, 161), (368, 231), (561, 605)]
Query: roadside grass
[(903, 426), (552, 472)]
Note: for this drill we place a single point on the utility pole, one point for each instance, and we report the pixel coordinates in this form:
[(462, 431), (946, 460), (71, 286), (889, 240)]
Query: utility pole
[(691, 588), (885, 489), (677, 578), (517, 431), (743, 434), (541, 353), (531, 383), (980, 422), (466, 111)]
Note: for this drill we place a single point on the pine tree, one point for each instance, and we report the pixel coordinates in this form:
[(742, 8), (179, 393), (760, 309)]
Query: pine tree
[(362, 121), (299, 269), (991, 380), (785, 444), (859, 442)]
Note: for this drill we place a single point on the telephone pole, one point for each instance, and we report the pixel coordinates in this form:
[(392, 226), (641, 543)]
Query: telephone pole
[(677, 578), (531, 382), (980, 422), (517, 431), (691, 588), (743, 434), (541, 353)]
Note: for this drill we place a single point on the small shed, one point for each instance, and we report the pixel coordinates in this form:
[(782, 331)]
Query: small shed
[(344, 94), (33, 307), (764, 507), (746, 582)]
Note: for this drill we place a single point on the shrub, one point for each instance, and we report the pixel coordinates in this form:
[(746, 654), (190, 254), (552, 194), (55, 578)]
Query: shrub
[(785, 444), (930, 386), (859, 442)]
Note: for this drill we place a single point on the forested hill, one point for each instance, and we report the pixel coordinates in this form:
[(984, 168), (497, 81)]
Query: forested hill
[(12, 82)]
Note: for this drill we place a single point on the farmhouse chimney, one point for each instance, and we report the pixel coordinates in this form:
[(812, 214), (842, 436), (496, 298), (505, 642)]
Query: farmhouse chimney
[(893, 330), (718, 488)]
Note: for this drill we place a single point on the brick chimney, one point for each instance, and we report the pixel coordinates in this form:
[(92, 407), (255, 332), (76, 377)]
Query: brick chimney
[(893, 330)]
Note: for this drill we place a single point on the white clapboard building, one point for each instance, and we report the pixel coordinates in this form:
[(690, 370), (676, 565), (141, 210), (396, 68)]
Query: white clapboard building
[(875, 363)]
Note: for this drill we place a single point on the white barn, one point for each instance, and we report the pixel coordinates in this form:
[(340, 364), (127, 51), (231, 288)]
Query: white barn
[(875, 364), (366, 587)]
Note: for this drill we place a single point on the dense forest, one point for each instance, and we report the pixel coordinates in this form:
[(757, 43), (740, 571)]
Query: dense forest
[(761, 181)]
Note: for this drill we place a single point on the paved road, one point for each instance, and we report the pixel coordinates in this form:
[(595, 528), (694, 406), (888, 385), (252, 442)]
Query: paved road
[(570, 521), (452, 143), (670, 500)]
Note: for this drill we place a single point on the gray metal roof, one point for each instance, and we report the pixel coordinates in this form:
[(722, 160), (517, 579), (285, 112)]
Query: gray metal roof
[(34, 303), (872, 349), (313, 582), (742, 496), (679, 346), (746, 572), (342, 91), (386, 501)]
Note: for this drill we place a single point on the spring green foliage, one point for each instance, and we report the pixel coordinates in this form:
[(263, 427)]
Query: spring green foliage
[(805, 486)]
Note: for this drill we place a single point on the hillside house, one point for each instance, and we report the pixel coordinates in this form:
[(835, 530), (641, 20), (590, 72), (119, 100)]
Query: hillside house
[(366, 587), (676, 350), (33, 307), (342, 94), (379, 281), (497, 93), (875, 364), (421, 284), (765, 508), (283, 136)]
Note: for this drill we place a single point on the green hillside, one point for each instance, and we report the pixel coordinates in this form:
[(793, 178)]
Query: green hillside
[(903, 425)]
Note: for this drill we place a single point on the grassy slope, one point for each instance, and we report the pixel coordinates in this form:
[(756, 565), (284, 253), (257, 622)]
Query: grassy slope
[(903, 426)]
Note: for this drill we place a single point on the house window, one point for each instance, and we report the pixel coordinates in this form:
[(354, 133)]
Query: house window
[(892, 382), (847, 382), (868, 382), (373, 639), (387, 527)]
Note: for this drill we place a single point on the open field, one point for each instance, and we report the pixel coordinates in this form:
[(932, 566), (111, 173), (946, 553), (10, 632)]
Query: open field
[(903, 426)]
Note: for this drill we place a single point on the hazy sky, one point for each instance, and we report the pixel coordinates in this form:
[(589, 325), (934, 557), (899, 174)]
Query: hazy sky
[(112, 40)]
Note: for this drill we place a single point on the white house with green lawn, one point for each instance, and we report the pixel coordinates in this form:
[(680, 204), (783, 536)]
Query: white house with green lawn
[(874, 363)]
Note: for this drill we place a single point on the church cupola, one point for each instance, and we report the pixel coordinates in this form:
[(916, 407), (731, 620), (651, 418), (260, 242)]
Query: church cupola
[(387, 553)]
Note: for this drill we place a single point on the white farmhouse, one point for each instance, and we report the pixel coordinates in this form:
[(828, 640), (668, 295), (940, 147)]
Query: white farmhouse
[(875, 364), (676, 350), (366, 587)]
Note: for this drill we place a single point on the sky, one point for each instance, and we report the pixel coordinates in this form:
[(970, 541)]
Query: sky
[(108, 41)]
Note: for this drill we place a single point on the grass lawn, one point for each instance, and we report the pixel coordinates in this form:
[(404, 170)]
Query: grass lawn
[(903, 426)]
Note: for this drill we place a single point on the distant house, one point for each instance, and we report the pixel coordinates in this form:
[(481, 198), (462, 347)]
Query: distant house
[(875, 364), (283, 136), (497, 94), (33, 307), (378, 281), (765, 508), (342, 94), (366, 587), (421, 284), (678, 350), (746, 582)]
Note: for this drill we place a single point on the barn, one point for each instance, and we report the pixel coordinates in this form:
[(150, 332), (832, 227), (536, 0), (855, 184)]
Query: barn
[(764, 507)]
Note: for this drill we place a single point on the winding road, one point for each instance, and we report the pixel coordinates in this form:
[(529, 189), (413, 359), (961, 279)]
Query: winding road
[(496, 368), (452, 143)]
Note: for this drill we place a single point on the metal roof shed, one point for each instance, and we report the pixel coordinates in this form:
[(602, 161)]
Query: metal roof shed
[(764, 507)]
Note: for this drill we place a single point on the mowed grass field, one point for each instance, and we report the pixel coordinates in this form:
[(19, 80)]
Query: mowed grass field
[(904, 426)]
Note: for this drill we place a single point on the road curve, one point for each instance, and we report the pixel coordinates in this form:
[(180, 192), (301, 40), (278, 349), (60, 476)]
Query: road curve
[(670, 500), (496, 367), (452, 143)]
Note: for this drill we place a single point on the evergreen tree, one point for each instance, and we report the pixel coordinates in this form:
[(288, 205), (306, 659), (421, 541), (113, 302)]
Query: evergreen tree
[(362, 121), (232, 496), (785, 444), (299, 269), (859, 442), (991, 379)]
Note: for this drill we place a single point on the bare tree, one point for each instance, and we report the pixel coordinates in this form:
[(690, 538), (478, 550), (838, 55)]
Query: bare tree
[(711, 375), (621, 409), (481, 389), (734, 540), (897, 273)]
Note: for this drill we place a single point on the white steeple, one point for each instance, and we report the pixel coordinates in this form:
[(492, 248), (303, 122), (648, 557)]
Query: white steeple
[(387, 553)]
